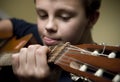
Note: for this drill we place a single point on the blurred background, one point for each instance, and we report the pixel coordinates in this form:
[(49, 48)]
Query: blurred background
[(106, 30)]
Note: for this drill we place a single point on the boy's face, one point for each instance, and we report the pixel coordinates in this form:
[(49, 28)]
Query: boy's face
[(61, 21)]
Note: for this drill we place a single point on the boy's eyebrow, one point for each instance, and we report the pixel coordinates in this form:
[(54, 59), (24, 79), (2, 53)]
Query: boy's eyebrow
[(65, 10), (61, 10), (40, 10)]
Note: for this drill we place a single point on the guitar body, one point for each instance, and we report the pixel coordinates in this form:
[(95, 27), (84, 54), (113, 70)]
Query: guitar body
[(12, 46)]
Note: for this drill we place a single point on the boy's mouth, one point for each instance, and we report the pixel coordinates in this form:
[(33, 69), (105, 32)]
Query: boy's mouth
[(49, 41)]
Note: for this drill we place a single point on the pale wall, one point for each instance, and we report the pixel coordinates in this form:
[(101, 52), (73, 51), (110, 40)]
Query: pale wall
[(106, 30), (23, 9)]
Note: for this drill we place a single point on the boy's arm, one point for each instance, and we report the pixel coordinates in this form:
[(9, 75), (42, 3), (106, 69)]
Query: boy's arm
[(6, 29)]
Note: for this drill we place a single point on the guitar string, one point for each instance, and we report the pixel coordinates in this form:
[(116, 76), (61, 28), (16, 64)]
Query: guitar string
[(83, 51)]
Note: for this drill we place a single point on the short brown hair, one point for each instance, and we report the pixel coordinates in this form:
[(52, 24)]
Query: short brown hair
[(91, 6)]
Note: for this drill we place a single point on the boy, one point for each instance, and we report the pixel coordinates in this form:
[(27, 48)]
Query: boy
[(58, 21)]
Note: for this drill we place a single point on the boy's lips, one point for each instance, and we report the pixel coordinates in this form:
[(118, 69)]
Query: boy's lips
[(50, 41)]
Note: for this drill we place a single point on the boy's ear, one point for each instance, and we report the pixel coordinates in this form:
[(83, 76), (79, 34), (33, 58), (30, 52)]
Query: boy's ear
[(93, 19)]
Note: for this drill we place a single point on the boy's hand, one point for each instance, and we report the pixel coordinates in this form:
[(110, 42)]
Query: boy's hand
[(31, 63)]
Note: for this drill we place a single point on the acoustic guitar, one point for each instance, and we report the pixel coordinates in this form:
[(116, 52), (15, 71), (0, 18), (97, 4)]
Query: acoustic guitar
[(90, 62)]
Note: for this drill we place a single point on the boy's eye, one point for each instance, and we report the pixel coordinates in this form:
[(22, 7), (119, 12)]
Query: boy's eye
[(65, 17), (42, 14)]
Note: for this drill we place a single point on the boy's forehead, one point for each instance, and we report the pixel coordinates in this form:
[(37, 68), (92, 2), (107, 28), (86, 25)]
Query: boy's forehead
[(68, 1), (58, 2)]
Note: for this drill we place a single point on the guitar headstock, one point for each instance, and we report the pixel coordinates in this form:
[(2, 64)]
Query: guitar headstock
[(110, 66), (99, 63)]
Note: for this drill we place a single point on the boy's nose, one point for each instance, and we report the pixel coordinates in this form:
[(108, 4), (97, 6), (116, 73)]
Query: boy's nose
[(51, 26)]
